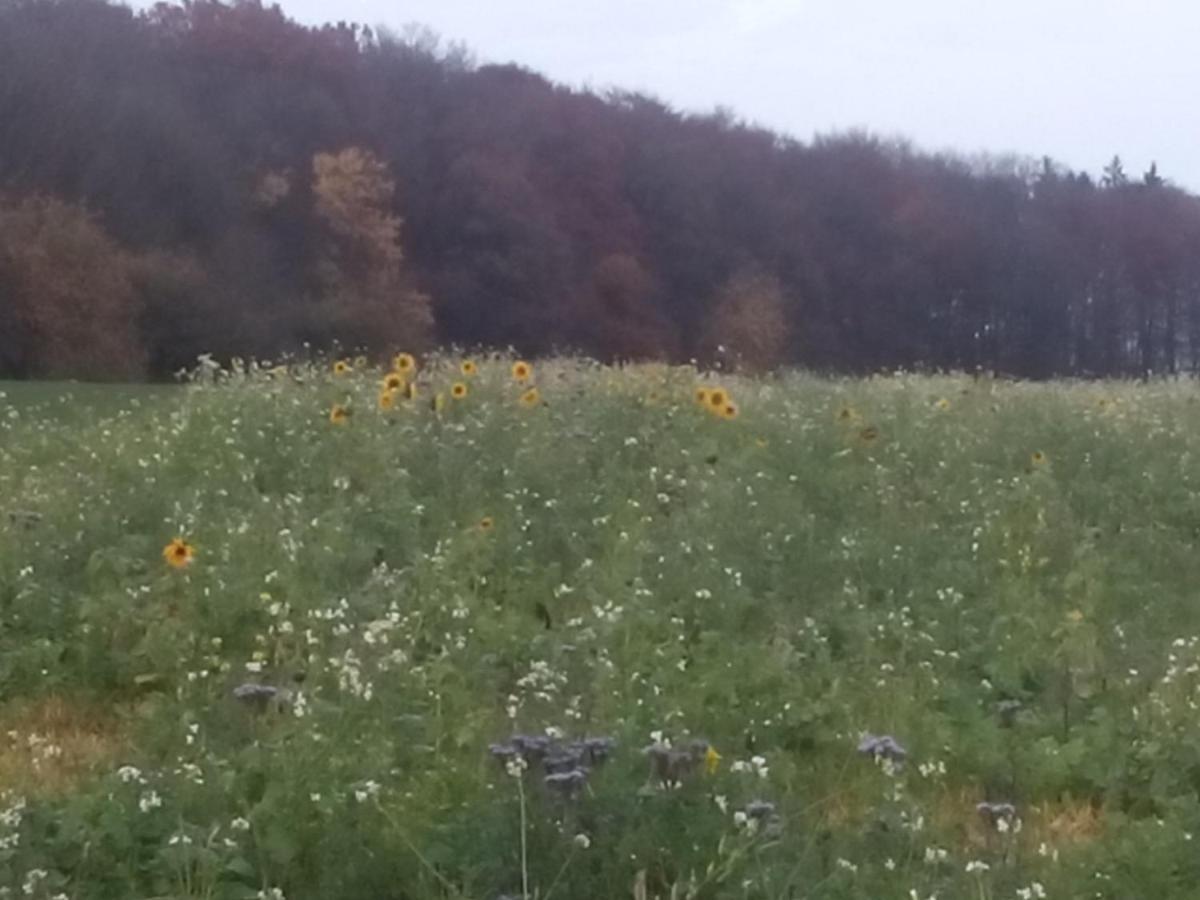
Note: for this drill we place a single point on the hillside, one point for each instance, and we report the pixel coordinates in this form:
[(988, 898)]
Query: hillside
[(212, 178)]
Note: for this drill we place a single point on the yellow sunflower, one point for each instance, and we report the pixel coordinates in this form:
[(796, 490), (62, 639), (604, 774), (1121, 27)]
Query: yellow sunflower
[(394, 381), (521, 371), (702, 396), (1038, 458), (487, 523), (458, 390), (339, 414), (943, 404), (387, 399), (468, 368), (342, 367), (712, 760), (729, 411), (718, 398), (531, 398), (179, 553), (404, 363)]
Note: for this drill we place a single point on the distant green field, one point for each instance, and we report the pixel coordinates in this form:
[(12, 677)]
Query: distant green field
[(76, 401), (594, 633)]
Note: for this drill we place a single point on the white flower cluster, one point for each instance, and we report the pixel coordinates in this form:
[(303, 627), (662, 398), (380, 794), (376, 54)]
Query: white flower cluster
[(542, 681), (369, 790), (757, 765), (349, 672), (935, 855), (10, 821), (149, 800)]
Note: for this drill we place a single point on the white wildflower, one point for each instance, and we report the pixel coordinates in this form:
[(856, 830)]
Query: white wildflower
[(149, 800)]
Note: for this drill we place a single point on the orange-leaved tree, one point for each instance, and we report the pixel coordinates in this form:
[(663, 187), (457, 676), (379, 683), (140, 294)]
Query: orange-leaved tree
[(367, 299), (68, 302), (748, 325)]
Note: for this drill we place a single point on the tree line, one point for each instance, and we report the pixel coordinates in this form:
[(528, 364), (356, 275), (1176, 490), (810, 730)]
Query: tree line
[(215, 177)]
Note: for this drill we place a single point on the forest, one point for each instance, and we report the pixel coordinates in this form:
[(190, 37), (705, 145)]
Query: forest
[(209, 177)]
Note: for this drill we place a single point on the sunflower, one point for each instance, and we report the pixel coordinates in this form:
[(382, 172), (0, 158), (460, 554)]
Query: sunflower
[(1038, 458), (404, 363), (468, 368), (712, 760), (702, 396), (847, 414), (394, 381), (943, 404), (339, 414), (458, 390), (531, 398), (487, 523), (718, 398), (521, 371), (179, 553), (387, 399), (729, 411), (342, 367)]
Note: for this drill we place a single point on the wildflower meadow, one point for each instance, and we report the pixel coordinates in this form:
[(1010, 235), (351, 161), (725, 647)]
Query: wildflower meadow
[(483, 628)]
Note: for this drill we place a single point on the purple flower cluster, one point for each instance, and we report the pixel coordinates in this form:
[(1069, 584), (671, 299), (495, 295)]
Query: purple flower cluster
[(1007, 711), (671, 765), (996, 812), (760, 810), (260, 697), (882, 746), (565, 766)]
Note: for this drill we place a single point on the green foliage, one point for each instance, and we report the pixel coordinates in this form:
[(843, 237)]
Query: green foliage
[(1000, 576)]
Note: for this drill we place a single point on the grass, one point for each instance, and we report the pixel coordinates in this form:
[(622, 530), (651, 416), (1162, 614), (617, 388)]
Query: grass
[(53, 744), (373, 676), (77, 402)]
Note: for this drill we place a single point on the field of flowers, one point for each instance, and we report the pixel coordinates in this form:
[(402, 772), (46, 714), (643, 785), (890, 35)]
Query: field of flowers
[(480, 629)]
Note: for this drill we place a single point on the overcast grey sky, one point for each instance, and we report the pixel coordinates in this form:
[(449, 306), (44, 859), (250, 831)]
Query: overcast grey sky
[(1077, 79)]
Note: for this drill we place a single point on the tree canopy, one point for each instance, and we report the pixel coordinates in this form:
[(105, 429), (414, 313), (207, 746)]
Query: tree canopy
[(264, 184)]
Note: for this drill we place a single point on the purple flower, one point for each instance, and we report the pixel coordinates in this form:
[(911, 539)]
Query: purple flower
[(568, 784), (882, 746), (995, 812), (1007, 710), (260, 696), (598, 749), (759, 809)]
